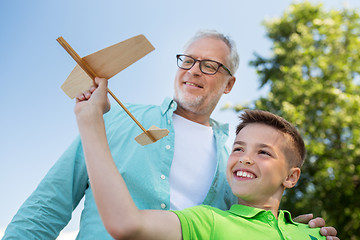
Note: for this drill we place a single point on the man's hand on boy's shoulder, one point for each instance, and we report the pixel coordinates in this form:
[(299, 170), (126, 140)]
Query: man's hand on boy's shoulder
[(329, 232)]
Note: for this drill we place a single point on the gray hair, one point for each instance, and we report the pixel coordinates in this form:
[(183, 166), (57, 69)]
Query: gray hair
[(233, 57)]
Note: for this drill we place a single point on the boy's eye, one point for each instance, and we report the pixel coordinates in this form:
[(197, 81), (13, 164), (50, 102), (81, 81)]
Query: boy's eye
[(264, 152), (237, 149)]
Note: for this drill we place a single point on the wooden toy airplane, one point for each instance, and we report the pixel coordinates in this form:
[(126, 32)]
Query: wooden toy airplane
[(106, 63)]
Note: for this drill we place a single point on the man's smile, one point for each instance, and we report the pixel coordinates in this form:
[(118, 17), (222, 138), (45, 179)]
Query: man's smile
[(192, 84)]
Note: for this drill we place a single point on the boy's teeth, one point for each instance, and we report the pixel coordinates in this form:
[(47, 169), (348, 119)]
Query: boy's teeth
[(244, 174)]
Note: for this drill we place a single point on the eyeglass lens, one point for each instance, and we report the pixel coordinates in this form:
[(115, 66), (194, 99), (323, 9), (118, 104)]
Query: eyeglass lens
[(206, 66)]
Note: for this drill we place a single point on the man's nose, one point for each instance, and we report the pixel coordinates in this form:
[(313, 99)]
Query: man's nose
[(195, 70)]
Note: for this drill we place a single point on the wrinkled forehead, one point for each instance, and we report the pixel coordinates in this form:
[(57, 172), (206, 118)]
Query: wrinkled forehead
[(208, 48)]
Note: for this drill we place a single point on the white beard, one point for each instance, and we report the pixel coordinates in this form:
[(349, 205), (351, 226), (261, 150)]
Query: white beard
[(192, 104), (196, 104)]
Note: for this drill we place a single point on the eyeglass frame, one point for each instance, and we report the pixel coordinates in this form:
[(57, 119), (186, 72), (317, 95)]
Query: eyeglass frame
[(200, 61)]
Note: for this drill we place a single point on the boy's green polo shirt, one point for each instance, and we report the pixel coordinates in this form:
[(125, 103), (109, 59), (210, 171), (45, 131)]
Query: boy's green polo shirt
[(242, 222)]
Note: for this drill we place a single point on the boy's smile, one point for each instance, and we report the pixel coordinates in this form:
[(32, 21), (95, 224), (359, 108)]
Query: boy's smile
[(244, 174)]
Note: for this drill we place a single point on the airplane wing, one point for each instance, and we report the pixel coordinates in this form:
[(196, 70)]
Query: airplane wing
[(106, 63)]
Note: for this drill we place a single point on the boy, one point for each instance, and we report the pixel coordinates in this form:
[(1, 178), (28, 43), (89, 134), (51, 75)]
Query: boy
[(265, 160)]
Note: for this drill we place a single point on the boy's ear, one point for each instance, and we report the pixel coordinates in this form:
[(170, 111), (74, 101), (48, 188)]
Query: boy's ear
[(292, 178)]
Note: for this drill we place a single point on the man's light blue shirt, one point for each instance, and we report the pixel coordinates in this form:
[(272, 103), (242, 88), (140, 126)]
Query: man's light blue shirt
[(48, 210)]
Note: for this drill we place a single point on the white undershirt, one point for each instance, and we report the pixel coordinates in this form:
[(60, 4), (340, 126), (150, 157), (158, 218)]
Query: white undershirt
[(194, 164)]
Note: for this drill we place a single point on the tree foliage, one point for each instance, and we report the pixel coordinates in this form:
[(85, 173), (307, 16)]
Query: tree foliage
[(314, 77)]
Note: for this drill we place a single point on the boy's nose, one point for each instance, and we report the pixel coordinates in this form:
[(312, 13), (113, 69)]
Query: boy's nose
[(246, 161)]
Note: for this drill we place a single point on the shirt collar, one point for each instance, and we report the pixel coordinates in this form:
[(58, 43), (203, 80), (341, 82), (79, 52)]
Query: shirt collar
[(245, 211), (286, 215), (170, 105), (251, 212), (167, 105)]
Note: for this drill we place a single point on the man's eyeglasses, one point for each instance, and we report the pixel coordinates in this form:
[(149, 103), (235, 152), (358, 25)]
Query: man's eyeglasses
[(206, 66)]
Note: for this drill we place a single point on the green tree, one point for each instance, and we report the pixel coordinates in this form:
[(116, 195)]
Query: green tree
[(314, 75)]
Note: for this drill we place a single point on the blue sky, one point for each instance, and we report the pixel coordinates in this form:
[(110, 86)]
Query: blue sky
[(37, 121)]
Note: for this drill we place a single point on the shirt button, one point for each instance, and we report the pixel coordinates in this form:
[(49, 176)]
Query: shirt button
[(172, 105), (169, 121), (167, 147), (162, 177), (163, 205), (270, 217)]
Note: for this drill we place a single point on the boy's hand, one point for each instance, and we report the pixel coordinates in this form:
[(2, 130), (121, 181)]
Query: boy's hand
[(94, 100), (329, 232)]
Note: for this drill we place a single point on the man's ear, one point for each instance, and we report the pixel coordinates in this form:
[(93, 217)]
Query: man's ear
[(292, 178), (230, 85)]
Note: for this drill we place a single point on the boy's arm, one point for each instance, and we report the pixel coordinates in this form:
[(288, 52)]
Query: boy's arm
[(121, 217)]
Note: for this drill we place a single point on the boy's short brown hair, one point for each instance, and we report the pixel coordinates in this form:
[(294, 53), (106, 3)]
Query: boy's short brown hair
[(295, 147)]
